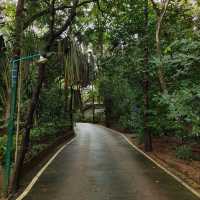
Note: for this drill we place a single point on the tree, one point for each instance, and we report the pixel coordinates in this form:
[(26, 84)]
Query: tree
[(147, 134), (122, 36), (160, 13), (52, 36)]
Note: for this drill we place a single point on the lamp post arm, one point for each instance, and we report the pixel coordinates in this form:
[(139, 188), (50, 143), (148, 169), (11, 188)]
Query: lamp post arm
[(26, 58)]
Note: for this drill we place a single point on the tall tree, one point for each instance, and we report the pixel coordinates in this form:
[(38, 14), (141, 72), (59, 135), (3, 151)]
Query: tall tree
[(17, 172), (147, 134), (160, 13), (19, 24)]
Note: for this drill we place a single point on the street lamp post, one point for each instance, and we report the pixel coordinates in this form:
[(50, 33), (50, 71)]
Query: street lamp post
[(11, 121)]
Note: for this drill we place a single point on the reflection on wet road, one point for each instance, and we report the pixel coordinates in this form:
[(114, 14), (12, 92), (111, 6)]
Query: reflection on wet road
[(100, 165)]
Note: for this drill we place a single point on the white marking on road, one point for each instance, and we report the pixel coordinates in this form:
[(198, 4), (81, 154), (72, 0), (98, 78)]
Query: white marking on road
[(157, 164), (35, 179)]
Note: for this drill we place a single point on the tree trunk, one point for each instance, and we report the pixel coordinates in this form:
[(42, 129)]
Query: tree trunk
[(19, 23), (66, 96), (71, 107), (80, 98), (93, 104), (100, 36), (147, 134), (35, 96), (6, 111), (26, 135), (108, 111), (160, 16), (159, 54)]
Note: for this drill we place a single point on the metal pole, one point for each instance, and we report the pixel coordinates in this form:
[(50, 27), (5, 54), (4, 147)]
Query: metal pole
[(11, 125), (11, 121)]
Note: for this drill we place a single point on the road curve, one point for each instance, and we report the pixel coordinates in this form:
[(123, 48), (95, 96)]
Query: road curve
[(101, 165)]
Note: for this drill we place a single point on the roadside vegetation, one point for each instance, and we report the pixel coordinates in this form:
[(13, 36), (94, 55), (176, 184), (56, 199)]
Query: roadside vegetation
[(139, 59)]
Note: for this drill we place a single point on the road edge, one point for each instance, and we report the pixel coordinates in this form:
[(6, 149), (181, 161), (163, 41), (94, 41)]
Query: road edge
[(197, 194), (41, 171)]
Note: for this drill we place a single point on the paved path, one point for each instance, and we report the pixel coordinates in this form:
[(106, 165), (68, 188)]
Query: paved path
[(100, 165)]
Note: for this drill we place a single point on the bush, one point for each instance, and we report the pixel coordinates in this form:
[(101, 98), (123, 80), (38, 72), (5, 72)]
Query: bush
[(3, 144), (184, 152), (36, 149), (3, 141), (140, 138)]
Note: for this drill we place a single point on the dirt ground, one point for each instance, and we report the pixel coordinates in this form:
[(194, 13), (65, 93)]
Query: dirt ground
[(165, 153)]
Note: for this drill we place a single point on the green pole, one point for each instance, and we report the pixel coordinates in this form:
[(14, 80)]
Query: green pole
[(11, 121), (11, 125)]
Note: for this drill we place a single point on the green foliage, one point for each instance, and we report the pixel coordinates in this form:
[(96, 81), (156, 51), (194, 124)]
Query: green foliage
[(116, 39), (3, 141), (140, 138), (184, 152), (48, 130), (175, 112), (37, 148), (118, 88), (51, 105), (183, 109)]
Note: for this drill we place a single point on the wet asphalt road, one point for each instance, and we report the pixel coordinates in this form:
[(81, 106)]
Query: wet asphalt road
[(100, 165)]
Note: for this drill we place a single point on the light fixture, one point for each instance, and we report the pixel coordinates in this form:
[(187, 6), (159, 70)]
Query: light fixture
[(42, 60)]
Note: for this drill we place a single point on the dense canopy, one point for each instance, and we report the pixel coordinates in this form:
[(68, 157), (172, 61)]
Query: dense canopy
[(139, 59)]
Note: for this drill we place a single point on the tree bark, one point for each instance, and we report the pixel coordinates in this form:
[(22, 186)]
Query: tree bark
[(35, 96), (71, 107), (19, 23), (66, 95), (93, 104), (147, 134), (160, 16), (6, 111), (108, 110), (28, 125)]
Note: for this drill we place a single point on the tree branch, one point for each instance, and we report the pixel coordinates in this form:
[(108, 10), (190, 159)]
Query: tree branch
[(48, 10), (99, 7), (52, 17), (68, 21), (155, 7)]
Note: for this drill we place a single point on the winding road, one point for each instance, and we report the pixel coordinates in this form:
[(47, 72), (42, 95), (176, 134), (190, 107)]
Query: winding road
[(101, 165)]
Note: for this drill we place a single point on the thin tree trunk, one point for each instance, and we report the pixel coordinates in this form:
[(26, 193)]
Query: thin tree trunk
[(108, 110), (80, 102), (66, 96), (100, 36), (147, 134), (19, 23), (93, 105), (71, 107), (36, 93), (159, 54), (160, 16), (18, 112), (26, 135), (6, 96), (6, 111)]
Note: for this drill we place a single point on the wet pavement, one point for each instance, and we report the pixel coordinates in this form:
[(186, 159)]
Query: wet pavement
[(101, 165)]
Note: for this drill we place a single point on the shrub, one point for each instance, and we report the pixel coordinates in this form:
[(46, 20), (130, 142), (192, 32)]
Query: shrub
[(184, 152), (3, 141)]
